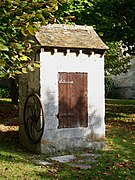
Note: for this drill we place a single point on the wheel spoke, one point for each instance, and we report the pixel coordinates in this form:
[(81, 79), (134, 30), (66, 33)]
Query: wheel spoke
[(33, 118), (33, 136), (28, 113)]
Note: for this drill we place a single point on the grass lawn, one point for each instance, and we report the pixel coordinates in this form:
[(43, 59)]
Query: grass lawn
[(117, 160)]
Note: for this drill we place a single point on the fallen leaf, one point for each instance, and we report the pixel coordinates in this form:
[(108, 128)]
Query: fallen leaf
[(117, 155), (4, 175)]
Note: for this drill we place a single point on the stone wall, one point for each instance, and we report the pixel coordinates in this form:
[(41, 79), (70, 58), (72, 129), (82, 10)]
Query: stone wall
[(125, 83), (28, 83)]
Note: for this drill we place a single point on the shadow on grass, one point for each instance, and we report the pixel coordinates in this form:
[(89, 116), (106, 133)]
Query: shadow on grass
[(13, 152), (113, 115), (121, 102), (116, 162), (114, 106)]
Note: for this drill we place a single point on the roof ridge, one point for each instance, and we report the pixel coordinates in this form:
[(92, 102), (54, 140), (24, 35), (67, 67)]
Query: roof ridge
[(68, 26)]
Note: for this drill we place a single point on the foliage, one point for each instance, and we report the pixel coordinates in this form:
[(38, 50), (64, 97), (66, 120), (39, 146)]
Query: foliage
[(115, 61), (18, 20), (116, 22), (4, 92), (76, 11), (111, 19), (109, 87), (116, 161), (113, 22)]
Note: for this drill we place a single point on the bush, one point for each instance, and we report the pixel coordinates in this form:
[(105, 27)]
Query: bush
[(109, 87), (4, 92)]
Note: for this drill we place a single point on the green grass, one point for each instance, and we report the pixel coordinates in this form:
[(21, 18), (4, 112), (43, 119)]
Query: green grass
[(117, 160)]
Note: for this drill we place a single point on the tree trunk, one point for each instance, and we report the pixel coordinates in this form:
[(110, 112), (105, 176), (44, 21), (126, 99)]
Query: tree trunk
[(14, 90)]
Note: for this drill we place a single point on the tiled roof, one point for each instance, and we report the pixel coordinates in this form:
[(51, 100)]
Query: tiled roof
[(69, 36)]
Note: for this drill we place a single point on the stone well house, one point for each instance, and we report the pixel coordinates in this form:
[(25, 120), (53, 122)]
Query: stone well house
[(70, 86)]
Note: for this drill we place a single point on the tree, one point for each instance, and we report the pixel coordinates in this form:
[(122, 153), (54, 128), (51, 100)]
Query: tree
[(117, 22), (113, 21), (19, 19), (76, 11), (115, 62)]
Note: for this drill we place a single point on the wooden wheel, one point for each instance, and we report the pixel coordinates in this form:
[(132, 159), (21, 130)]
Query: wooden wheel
[(33, 118)]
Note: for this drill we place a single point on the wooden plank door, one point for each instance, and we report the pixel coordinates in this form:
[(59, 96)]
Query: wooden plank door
[(73, 100)]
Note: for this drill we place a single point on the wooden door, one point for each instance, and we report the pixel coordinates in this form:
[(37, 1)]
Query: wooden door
[(73, 100)]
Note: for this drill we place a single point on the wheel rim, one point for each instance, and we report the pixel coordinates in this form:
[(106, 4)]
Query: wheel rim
[(33, 118)]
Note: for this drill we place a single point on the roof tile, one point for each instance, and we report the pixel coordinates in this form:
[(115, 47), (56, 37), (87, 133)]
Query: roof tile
[(69, 36)]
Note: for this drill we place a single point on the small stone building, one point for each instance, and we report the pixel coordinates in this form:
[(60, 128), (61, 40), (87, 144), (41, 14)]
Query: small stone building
[(70, 86)]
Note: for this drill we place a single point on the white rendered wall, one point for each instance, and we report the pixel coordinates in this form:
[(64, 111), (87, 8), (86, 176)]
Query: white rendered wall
[(93, 135)]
